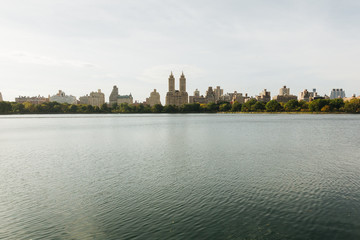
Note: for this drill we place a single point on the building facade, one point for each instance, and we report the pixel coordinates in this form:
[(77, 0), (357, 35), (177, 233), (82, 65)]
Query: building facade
[(1, 98), (33, 100), (284, 95), (153, 99), (218, 93), (197, 98), (177, 97), (94, 99), (264, 96), (119, 99), (61, 97), (210, 95), (337, 93)]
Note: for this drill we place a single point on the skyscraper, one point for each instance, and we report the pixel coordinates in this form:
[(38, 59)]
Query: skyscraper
[(177, 97)]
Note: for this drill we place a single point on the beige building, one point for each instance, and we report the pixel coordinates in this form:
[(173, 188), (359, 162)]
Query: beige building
[(307, 96), (237, 97), (61, 97), (264, 96), (351, 98), (34, 100), (210, 95), (197, 98), (218, 93), (119, 99), (284, 95), (177, 97), (94, 99), (1, 99), (153, 99)]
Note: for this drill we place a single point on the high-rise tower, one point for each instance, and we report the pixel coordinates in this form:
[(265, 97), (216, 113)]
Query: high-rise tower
[(113, 96), (182, 83), (171, 83), (177, 97)]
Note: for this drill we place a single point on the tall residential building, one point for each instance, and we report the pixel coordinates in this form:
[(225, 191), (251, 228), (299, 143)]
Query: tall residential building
[(264, 96), (153, 99), (210, 95), (197, 98), (119, 99), (61, 97), (284, 95), (307, 96), (94, 99), (218, 93), (1, 99), (337, 93), (33, 100), (237, 97), (177, 97)]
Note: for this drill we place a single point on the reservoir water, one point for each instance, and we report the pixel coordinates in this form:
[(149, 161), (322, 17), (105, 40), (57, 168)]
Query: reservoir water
[(204, 176)]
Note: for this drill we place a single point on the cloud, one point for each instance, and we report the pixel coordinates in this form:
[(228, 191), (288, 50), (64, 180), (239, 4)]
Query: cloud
[(26, 57)]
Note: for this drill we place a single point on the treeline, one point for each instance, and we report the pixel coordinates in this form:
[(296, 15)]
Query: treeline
[(319, 105)]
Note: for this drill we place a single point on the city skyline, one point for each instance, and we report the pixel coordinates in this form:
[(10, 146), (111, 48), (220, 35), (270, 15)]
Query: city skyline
[(80, 47)]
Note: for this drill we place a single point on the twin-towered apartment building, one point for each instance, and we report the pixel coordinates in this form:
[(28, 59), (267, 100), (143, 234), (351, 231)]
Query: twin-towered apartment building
[(180, 97)]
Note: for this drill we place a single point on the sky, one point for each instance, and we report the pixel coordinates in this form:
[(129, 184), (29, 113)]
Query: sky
[(80, 46)]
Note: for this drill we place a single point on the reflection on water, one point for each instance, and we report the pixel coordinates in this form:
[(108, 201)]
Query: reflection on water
[(180, 176)]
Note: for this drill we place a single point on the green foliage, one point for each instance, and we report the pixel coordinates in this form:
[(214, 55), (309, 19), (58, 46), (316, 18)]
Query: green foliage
[(336, 104), (157, 108), (225, 107), (352, 106), (212, 107), (247, 107), (292, 105), (318, 104), (258, 107), (236, 107), (190, 108), (273, 106), (5, 107), (170, 109)]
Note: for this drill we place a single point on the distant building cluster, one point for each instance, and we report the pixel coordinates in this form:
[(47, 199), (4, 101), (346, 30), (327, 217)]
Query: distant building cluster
[(94, 99), (115, 98), (180, 96)]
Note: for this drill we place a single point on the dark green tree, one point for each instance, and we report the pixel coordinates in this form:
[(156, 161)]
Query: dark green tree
[(273, 106), (157, 108), (225, 107), (292, 105)]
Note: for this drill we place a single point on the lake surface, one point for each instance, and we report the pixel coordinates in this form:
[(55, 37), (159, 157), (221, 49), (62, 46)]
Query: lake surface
[(204, 176)]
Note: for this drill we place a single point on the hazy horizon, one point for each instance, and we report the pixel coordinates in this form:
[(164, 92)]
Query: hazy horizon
[(242, 46)]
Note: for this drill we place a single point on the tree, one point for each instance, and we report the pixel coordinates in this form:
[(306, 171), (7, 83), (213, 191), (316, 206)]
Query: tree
[(303, 105), (236, 107), (170, 109), (352, 106), (336, 104), (258, 107), (157, 108), (212, 107), (17, 108), (225, 107), (246, 107), (318, 104), (5, 107), (105, 109), (292, 105), (273, 106)]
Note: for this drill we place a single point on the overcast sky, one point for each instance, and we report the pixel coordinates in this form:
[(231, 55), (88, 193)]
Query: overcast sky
[(80, 46)]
